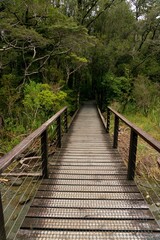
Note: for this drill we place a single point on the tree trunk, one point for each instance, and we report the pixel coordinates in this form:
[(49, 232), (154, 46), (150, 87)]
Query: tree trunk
[(1, 122)]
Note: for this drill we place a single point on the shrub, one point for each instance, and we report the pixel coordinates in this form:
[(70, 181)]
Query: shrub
[(40, 102)]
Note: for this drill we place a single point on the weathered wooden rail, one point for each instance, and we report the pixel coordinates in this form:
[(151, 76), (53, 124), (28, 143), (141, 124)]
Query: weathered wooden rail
[(85, 193)]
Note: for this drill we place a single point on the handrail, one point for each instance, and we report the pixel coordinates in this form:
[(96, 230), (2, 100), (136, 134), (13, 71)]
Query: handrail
[(145, 136), (135, 132), (7, 159)]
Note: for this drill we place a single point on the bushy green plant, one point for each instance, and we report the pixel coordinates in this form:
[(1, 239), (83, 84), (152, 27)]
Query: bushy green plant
[(146, 95), (11, 135), (116, 88), (40, 102)]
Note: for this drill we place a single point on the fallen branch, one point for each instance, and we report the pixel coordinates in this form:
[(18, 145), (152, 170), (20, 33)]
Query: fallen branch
[(3, 180), (27, 159), (37, 174)]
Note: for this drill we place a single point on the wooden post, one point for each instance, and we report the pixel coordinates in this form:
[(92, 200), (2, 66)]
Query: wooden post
[(59, 131), (2, 227), (44, 153), (108, 120), (66, 121), (132, 155), (116, 128)]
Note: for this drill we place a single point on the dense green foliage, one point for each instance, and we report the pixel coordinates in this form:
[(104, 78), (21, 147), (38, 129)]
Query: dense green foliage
[(54, 53)]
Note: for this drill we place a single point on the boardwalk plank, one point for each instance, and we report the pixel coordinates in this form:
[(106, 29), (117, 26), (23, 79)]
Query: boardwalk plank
[(95, 177), (90, 189), (85, 182), (78, 235), (91, 203), (81, 224), (74, 213), (87, 195)]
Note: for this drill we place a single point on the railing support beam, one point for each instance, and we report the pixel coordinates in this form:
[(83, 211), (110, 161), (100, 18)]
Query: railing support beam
[(66, 121), (2, 227), (132, 155), (108, 120), (44, 153), (116, 129), (59, 131)]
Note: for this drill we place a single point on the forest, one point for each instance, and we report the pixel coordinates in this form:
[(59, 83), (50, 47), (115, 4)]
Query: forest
[(61, 52)]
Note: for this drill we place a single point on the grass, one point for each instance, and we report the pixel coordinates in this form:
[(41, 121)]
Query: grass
[(147, 161), (145, 123)]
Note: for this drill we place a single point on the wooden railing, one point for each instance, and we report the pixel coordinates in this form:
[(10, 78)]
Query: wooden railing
[(26, 143), (135, 132)]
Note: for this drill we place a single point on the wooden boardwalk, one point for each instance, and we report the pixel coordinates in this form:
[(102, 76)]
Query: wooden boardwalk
[(87, 196)]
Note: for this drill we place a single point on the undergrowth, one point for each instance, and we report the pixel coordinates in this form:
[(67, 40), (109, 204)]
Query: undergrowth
[(147, 174)]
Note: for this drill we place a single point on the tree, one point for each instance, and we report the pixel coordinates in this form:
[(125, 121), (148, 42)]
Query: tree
[(39, 44), (43, 34), (115, 31)]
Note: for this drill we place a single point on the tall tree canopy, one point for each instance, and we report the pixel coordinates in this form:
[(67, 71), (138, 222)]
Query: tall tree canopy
[(68, 49), (38, 43)]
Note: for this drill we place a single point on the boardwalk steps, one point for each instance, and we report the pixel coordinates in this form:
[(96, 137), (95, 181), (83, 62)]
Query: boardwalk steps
[(87, 195)]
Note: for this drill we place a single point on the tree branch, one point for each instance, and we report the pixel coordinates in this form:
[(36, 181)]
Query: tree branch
[(46, 57), (155, 30), (13, 44), (70, 73), (5, 49), (144, 37), (139, 64), (100, 13), (89, 10)]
